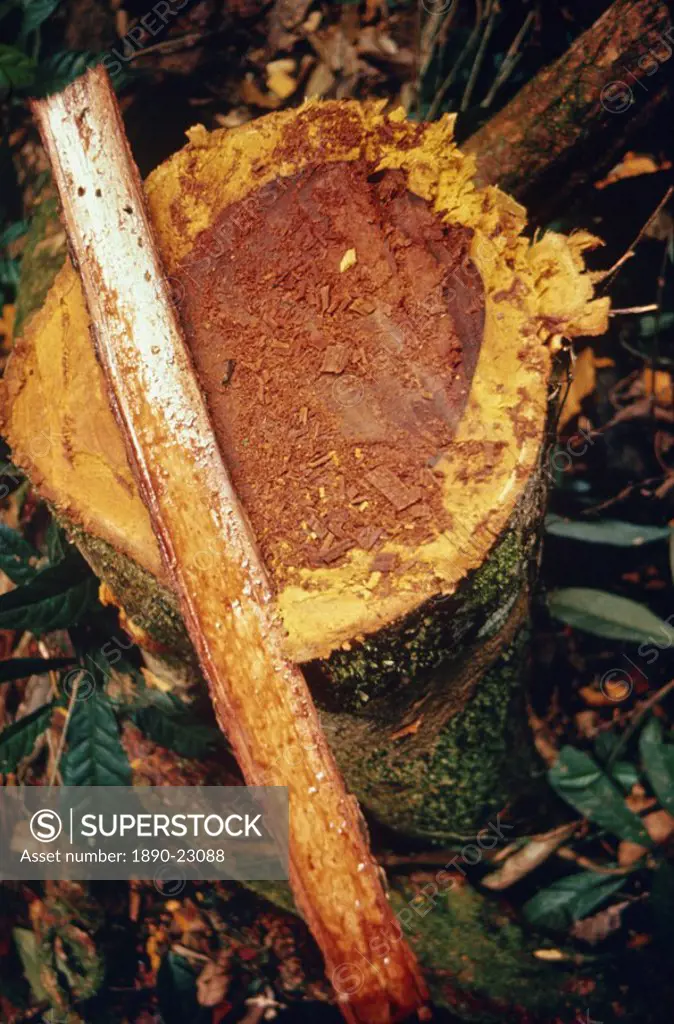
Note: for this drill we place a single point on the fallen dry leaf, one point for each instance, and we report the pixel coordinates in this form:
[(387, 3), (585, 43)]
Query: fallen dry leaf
[(659, 825), (408, 730), (587, 723), (321, 81), (638, 801), (630, 853), (212, 985), (7, 325), (659, 385), (633, 165), (528, 858), (598, 927)]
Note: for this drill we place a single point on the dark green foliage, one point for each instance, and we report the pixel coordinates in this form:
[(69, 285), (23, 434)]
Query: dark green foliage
[(17, 556), (605, 531), (35, 12), (570, 899), (20, 668), (12, 232), (607, 615), (658, 760), (17, 70), (57, 543), (581, 782), (56, 598), (177, 992), (95, 756), (18, 740), (167, 721), (58, 70)]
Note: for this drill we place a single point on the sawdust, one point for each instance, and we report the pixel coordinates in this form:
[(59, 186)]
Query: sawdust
[(332, 392)]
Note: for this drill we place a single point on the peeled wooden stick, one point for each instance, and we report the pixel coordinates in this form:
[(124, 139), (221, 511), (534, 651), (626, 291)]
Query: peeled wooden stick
[(261, 699)]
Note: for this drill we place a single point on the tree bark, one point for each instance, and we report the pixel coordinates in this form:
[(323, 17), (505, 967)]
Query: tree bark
[(260, 697), (568, 114)]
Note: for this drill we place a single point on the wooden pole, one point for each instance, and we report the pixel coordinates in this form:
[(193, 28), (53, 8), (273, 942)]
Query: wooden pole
[(261, 699)]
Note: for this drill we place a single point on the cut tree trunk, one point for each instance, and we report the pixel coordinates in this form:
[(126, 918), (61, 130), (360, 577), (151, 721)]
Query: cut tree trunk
[(371, 334), (260, 697)]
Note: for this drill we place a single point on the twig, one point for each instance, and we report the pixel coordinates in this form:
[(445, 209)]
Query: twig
[(653, 307), (434, 31), (168, 46), (630, 249), (662, 277), (454, 70), (490, 15), (64, 731), (635, 719), (261, 699), (509, 61), (624, 493), (566, 853)]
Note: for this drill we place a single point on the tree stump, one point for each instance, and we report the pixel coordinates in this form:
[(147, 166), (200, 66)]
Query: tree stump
[(371, 332)]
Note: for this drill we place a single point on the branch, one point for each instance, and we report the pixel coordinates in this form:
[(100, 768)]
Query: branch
[(261, 700), (608, 75)]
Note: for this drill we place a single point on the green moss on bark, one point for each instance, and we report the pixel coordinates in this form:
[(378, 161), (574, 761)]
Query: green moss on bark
[(445, 790), (409, 650)]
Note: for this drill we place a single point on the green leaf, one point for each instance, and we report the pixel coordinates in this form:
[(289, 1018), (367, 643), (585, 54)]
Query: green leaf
[(95, 755), (21, 668), (607, 615), (658, 761), (6, 6), (17, 556), (168, 722), (604, 745), (26, 944), (570, 899), (177, 992), (625, 774), (60, 69), (579, 780), (12, 232), (35, 12), (606, 531), (58, 545), (606, 748), (9, 272), (17, 71), (18, 740), (55, 598), (650, 325)]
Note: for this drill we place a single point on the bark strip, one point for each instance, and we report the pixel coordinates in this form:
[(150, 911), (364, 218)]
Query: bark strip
[(261, 699)]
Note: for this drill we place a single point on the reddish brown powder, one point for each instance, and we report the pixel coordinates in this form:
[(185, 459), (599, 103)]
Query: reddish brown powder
[(332, 393)]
